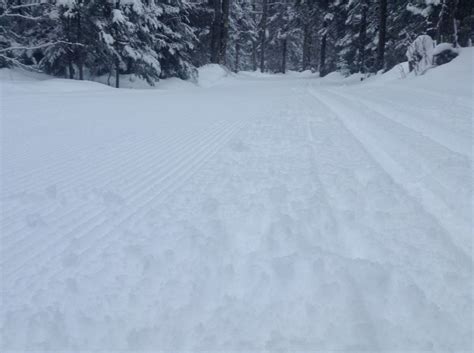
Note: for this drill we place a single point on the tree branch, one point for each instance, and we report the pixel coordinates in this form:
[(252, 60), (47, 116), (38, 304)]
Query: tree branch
[(39, 46)]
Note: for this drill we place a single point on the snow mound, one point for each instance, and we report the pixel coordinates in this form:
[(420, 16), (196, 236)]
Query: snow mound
[(443, 47), (454, 78), (174, 83), (211, 75), (396, 73), (333, 76)]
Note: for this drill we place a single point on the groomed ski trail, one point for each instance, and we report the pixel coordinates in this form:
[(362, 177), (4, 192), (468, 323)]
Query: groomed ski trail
[(266, 223)]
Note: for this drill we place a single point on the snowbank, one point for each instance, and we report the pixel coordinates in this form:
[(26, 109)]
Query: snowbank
[(444, 47), (16, 79), (454, 78), (211, 75)]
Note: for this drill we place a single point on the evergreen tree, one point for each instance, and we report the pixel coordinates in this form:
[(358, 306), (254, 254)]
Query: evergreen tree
[(156, 39), (243, 35)]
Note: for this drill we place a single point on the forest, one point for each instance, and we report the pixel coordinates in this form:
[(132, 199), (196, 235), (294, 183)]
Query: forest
[(156, 39)]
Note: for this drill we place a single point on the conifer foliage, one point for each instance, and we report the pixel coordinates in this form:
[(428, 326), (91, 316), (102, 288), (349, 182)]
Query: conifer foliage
[(153, 39)]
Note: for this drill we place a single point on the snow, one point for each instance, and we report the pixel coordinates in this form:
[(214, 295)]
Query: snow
[(117, 16), (247, 213), (211, 74), (443, 47)]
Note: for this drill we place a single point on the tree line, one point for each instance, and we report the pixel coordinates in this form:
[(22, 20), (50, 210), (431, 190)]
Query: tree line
[(156, 39)]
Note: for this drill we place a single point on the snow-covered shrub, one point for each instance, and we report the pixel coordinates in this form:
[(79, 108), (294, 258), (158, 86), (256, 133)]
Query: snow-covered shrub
[(420, 54), (443, 53)]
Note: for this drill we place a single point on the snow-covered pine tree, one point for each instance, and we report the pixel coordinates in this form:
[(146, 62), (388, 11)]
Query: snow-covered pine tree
[(25, 31), (73, 30), (331, 26), (175, 38), (242, 35), (284, 36), (308, 17), (444, 20), (129, 35)]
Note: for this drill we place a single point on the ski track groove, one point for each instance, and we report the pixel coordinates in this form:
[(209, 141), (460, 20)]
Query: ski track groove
[(413, 138), (463, 101), (367, 318), (420, 135), (400, 180)]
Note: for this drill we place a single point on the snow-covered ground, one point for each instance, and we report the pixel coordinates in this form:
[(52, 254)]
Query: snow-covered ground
[(246, 213)]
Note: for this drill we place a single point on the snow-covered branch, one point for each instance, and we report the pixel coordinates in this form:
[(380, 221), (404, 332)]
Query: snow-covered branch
[(18, 63), (32, 18), (39, 46)]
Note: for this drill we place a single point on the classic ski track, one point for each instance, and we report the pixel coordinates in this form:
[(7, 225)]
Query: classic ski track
[(363, 314), (92, 223), (415, 137), (465, 102), (401, 268), (293, 166), (372, 107), (401, 179), (368, 319)]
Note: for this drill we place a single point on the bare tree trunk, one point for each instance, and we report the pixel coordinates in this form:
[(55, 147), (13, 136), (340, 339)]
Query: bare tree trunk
[(322, 50), (322, 56), (254, 56), (446, 27), (307, 39), (263, 34), (362, 36), (79, 51), (70, 66), (108, 77), (117, 59), (117, 74), (382, 35), (224, 31), (237, 56), (216, 32), (283, 52), (69, 52)]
